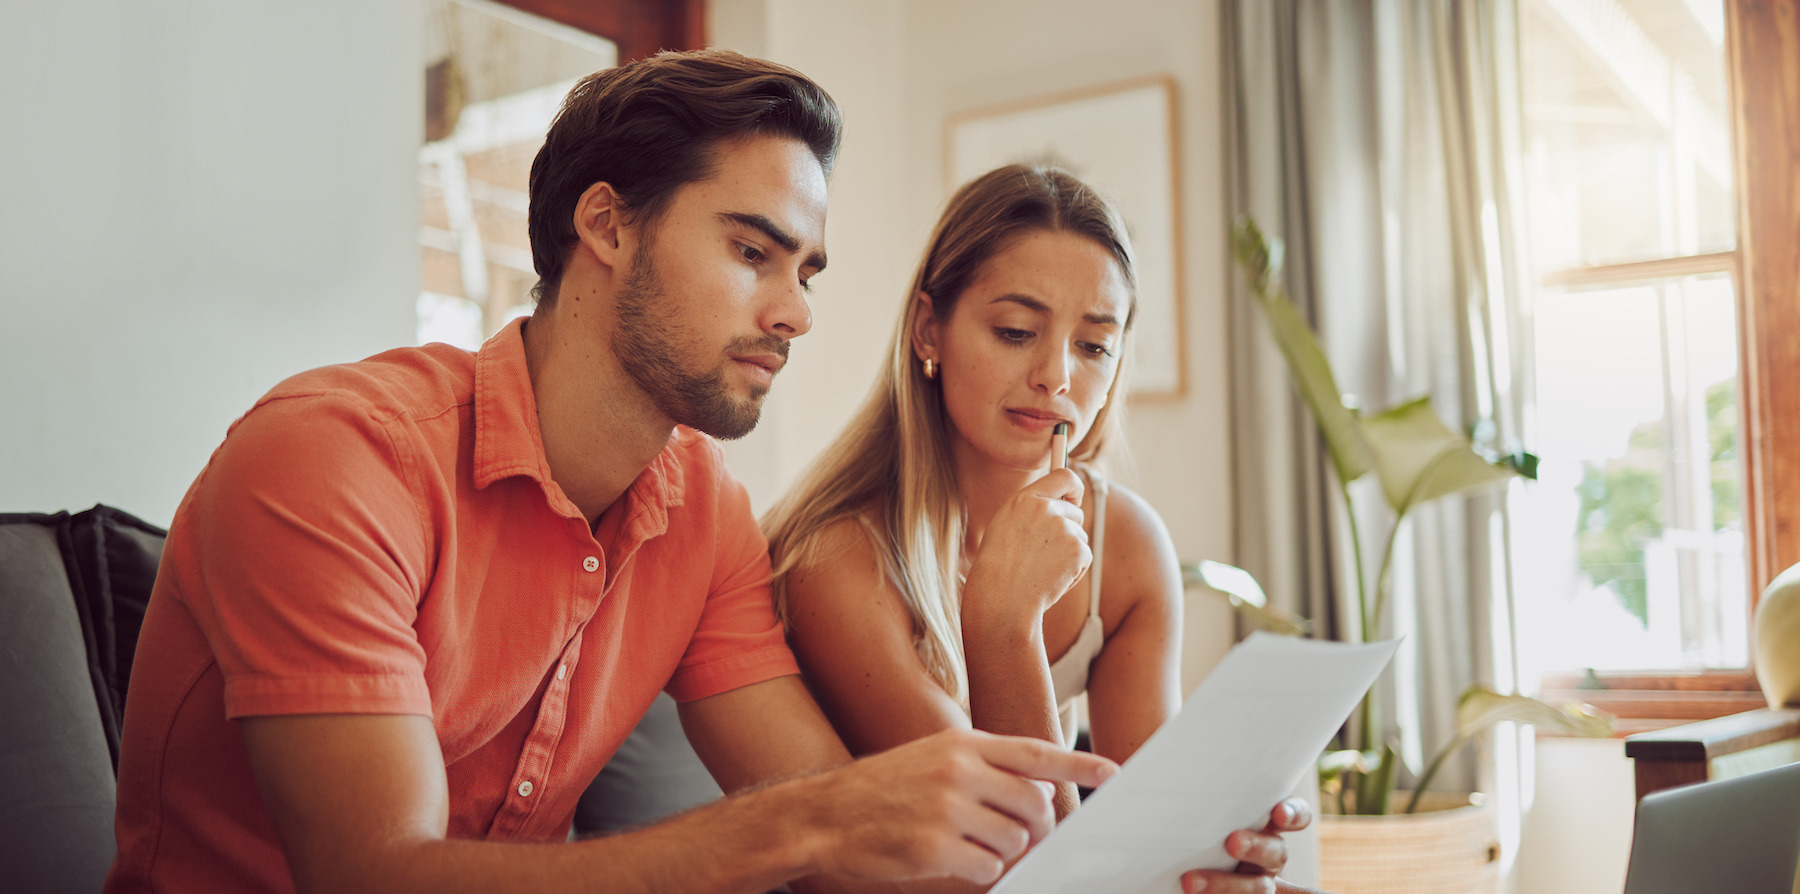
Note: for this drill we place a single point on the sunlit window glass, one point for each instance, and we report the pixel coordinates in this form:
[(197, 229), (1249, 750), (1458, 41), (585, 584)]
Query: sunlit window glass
[(1632, 554)]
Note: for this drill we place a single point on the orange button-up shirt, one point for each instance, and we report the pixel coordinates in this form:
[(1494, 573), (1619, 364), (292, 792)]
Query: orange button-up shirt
[(384, 537)]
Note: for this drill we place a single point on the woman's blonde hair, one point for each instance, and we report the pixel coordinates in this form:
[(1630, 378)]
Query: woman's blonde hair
[(892, 467)]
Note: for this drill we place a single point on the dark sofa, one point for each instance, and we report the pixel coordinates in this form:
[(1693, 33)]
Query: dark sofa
[(72, 595)]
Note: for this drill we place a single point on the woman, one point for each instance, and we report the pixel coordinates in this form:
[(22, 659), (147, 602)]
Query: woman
[(938, 567)]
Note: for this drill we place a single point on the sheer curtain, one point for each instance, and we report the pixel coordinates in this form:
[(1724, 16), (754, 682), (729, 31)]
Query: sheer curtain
[(1379, 141)]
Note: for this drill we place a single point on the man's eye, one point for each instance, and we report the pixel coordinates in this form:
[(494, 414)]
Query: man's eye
[(751, 254)]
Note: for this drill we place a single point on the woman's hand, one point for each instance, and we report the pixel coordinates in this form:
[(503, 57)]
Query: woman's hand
[(1261, 854), (1033, 551)]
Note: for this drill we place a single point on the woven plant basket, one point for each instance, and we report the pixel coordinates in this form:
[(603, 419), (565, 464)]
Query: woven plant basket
[(1451, 846)]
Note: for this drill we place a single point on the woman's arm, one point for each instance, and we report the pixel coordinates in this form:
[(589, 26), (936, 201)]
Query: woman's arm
[(853, 635), (1134, 685)]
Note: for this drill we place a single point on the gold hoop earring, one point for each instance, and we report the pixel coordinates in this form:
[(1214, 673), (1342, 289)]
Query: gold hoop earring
[(930, 368)]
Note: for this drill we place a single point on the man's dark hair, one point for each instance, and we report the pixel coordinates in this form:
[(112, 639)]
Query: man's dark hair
[(651, 126)]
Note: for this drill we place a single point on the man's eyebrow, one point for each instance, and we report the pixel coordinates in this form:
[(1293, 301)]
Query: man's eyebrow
[(1039, 306), (769, 228)]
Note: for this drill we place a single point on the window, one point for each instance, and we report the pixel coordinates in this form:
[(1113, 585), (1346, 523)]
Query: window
[(498, 79), (1637, 542), (1664, 255)]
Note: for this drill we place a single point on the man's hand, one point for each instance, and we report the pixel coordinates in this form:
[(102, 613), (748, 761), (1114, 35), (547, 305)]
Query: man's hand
[(1261, 855), (959, 803)]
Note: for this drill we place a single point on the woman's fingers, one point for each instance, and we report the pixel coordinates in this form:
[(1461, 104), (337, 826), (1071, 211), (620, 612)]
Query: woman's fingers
[(1257, 852), (1291, 815), (1059, 484)]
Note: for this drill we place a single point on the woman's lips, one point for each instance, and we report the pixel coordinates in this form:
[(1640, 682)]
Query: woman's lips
[(1033, 420)]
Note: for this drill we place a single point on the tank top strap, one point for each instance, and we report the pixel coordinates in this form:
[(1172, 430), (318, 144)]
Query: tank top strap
[(1098, 543)]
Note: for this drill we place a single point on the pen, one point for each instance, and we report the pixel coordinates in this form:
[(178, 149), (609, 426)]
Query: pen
[(1059, 445)]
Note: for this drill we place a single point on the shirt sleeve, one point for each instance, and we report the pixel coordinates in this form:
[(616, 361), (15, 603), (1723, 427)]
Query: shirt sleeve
[(739, 640), (311, 555)]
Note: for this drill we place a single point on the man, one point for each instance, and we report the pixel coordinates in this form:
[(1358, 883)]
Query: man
[(413, 603)]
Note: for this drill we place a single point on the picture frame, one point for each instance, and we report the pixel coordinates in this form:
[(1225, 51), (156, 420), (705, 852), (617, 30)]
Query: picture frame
[(1121, 138)]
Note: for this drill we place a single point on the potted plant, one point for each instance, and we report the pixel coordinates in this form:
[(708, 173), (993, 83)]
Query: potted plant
[(1416, 458)]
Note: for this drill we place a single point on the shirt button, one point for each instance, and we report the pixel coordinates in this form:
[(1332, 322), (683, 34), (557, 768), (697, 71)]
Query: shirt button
[(562, 670), (525, 789), (590, 564)]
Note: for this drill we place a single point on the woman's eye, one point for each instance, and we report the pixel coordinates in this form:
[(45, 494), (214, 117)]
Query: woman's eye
[(1012, 336), (1095, 350)]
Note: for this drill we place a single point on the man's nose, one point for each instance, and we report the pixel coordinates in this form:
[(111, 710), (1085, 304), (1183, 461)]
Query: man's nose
[(789, 315)]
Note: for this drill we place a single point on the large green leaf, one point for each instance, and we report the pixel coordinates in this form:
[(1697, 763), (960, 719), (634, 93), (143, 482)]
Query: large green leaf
[(1246, 597), (1481, 707), (1260, 260), (1419, 459)]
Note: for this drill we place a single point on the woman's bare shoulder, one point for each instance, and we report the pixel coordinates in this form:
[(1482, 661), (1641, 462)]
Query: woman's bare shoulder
[(840, 572), (1140, 558), (1132, 517), (844, 541)]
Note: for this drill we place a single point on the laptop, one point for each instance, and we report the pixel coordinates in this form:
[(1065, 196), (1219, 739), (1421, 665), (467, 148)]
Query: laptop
[(1740, 836)]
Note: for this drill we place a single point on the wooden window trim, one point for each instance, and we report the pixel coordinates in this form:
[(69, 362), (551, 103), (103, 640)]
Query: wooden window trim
[(1639, 271), (640, 28), (1647, 701), (1763, 50)]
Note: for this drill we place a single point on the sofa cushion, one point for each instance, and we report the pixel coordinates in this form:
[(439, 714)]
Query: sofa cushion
[(56, 782)]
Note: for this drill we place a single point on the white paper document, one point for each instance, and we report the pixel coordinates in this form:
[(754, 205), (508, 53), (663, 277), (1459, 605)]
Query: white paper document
[(1240, 745)]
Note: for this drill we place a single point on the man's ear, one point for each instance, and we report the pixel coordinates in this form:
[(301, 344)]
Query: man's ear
[(600, 223), (925, 329)]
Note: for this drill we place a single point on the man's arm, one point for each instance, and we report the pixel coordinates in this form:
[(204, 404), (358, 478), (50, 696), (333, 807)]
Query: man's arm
[(360, 803)]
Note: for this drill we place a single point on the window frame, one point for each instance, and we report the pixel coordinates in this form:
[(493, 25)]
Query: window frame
[(1762, 48), (640, 28)]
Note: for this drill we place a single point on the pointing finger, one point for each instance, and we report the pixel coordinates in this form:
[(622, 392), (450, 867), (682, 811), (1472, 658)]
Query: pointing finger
[(1037, 759)]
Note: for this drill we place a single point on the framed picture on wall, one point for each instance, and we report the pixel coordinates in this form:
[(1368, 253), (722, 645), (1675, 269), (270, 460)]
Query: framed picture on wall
[(1120, 138)]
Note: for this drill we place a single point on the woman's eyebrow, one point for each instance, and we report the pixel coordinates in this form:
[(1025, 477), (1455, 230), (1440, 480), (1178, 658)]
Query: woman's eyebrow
[(1031, 303)]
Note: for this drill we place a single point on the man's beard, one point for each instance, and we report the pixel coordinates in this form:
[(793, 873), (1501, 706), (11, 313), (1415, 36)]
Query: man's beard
[(646, 346)]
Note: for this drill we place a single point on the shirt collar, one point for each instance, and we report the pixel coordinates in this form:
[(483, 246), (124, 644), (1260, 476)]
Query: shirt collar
[(509, 442), (507, 439)]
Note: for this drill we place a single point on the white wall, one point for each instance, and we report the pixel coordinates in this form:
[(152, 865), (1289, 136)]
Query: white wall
[(1577, 836), (199, 198)]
